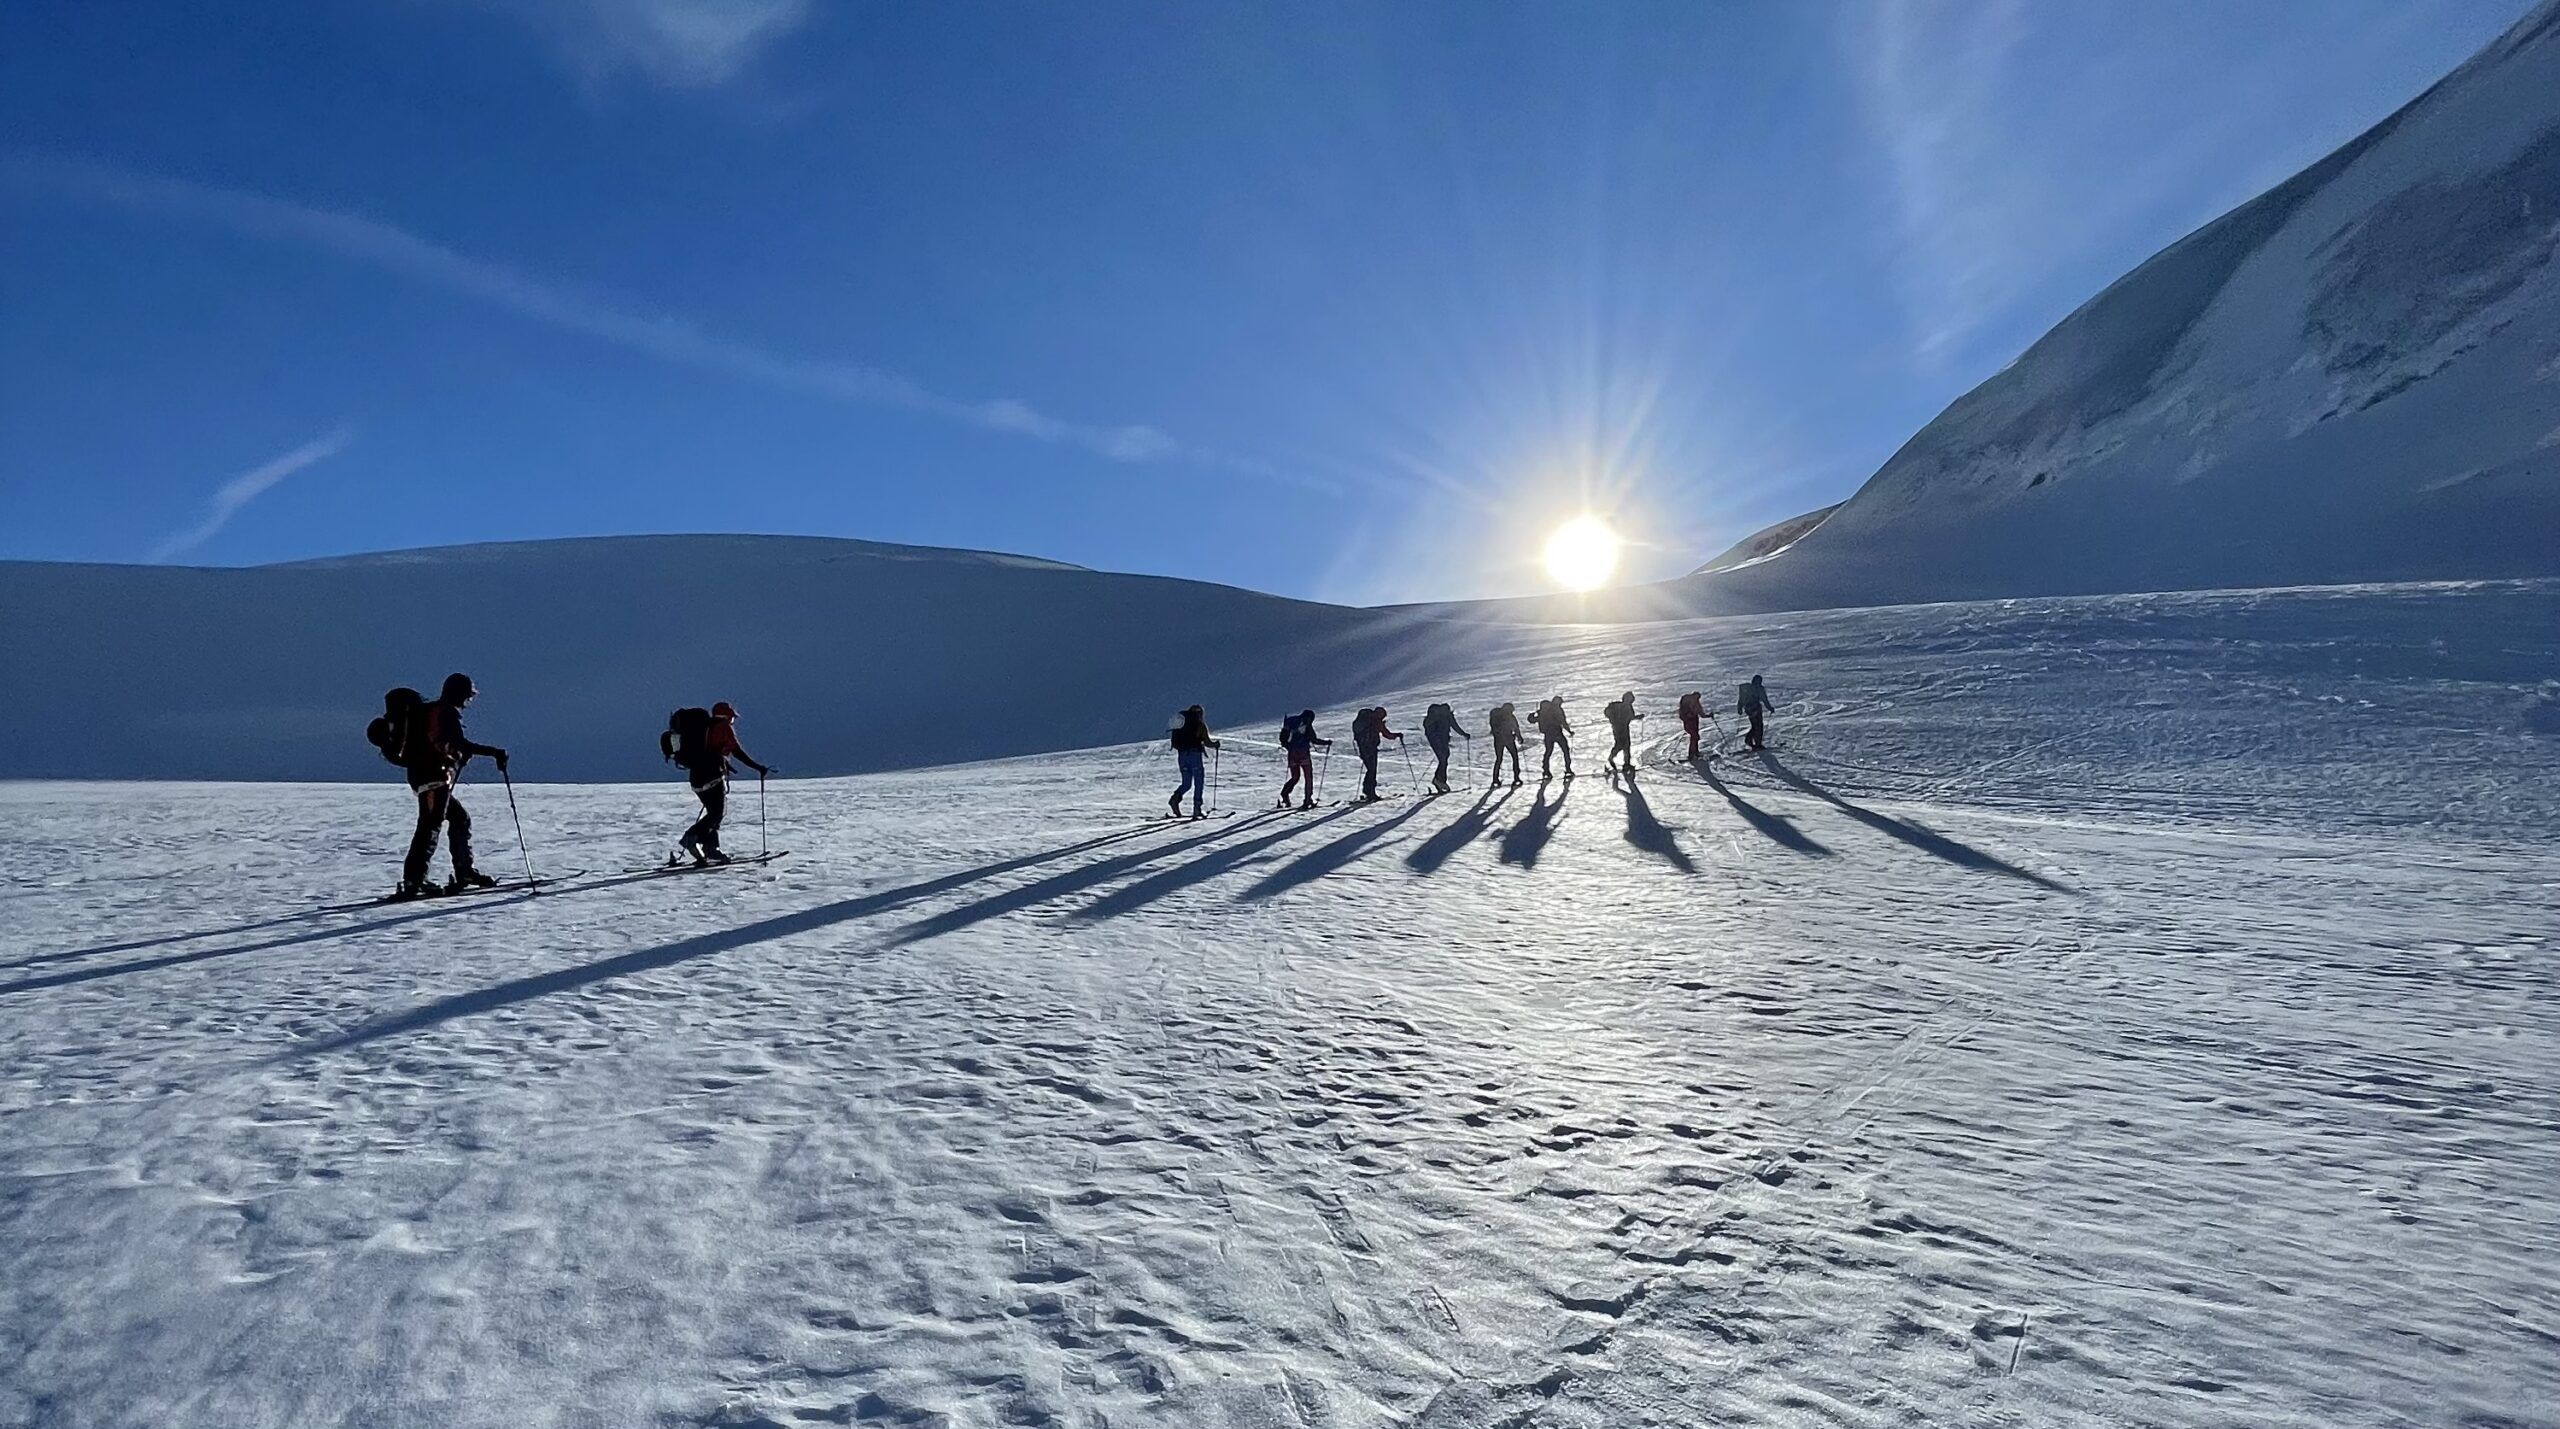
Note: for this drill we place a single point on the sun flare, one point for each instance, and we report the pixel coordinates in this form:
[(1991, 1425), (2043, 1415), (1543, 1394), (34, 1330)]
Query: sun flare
[(1583, 553)]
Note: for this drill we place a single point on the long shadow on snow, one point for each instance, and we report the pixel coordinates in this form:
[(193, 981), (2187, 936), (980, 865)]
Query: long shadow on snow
[(1316, 863), (1777, 828), (466, 904), (1200, 870), (1647, 832), (1431, 853), (525, 989), (1525, 840), (1919, 836), (1074, 880)]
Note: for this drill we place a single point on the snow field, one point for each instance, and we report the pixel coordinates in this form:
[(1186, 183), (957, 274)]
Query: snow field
[(2128, 1011)]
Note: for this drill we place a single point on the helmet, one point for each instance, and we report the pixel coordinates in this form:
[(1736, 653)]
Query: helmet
[(1306, 714), (1629, 697), (457, 686), (724, 710)]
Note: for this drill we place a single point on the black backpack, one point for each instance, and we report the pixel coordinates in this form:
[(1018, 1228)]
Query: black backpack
[(689, 734), (392, 730)]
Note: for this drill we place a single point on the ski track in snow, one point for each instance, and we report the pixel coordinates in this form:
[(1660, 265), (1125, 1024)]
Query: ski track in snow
[(2135, 1012)]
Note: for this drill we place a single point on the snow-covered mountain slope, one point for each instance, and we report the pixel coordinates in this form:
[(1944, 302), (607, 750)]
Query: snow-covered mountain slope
[(2107, 1011), (1768, 540), (2354, 377), (843, 655)]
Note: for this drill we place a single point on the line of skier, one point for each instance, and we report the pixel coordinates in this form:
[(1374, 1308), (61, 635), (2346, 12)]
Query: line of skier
[(425, 739), (1192, 742)]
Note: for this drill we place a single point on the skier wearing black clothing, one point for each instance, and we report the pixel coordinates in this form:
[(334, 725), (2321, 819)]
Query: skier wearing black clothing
[(1753, 705), (1503, 724), (1550, 720), (1438, 723), (1622, 717), (702, 741), (1366, 731), (1693, 707), (1191, 741), (433, 750), (1298, 741)]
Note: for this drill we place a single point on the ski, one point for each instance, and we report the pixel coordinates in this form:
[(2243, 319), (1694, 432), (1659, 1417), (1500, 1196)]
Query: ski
[(752, 860), (439, 894)]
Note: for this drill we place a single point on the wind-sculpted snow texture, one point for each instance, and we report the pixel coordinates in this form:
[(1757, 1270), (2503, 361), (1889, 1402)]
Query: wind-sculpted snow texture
[(2120, 1011)]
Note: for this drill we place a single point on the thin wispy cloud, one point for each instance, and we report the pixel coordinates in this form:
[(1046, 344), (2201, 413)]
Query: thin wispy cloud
[(1928, 74), (395, 250), (248, 486), (678, 44)]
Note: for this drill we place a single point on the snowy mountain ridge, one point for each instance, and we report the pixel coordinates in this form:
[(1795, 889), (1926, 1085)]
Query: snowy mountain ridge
[(2353, 377)]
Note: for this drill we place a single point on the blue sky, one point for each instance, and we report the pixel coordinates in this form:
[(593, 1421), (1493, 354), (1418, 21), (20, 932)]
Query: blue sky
[(1350, 301)]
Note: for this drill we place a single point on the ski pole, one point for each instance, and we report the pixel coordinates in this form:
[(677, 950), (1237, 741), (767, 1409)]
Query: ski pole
[(1412, 781), (519, 822), (764, 846), (1217, 761), (1317, 793)]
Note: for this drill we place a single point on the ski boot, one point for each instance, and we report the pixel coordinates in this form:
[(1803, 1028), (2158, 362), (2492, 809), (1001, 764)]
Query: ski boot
[(687, 848), (466, 879), (712, 855), (410, 892)]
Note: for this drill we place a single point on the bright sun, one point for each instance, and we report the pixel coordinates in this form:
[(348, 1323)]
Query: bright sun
[(1583, 553)]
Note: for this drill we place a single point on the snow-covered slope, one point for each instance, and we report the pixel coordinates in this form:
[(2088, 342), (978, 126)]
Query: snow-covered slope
[(843, 655), (2354, 377), (2122, 1011), (1768, 540)]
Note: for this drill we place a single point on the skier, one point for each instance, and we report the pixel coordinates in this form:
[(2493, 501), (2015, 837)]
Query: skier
[(1502, 722), (1191, 743), (1366, 731), (1622, 717), (1550, 720), (1752, 706), (701, 741), (1693, 707), (1298, 740), (433, 751), (1438, 723)]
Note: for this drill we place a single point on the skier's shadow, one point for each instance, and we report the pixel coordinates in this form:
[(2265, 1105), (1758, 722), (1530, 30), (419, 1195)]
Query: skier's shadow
[(1647, 832), (1777, 828), (526, 989), (1438, 849), (1919, 836), (1199, 870), (1316, 863), (1525, 840), (1059, 885)]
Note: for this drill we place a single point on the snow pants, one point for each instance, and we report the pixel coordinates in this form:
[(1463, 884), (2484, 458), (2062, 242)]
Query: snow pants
[(1440, 757), (1752, 736), (1556, 740), (1195, 778), (1368, 771), (714, 794), (1302, 765), (1691, 726), (1502, 747), (1619, 745), (437, 809)]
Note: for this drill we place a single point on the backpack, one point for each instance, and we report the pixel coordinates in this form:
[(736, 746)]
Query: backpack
[(392, 730), (1689, 706), (690, 728), (1288, 730)]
